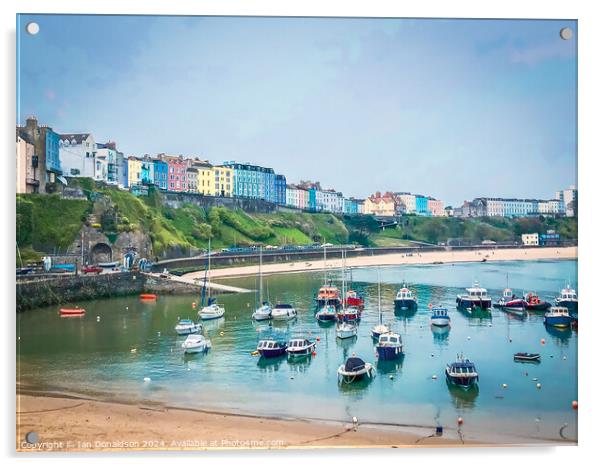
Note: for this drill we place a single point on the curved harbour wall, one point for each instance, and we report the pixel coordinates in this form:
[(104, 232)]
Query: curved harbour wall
[(75, 288)]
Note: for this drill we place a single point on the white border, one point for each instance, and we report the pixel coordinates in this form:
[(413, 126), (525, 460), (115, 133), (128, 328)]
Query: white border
[(590, 77)]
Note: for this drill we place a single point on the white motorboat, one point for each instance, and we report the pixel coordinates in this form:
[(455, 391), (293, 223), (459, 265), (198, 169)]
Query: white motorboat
[(196, 344), (187, 326), (212, 311), (354, 369), (346, 330), (283, 312), (298, 347)]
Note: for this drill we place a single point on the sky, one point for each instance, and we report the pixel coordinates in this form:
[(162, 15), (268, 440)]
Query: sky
[(455, 109)]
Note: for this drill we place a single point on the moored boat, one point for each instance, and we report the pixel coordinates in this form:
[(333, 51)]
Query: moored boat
[(568, 299), (534, 303), (354, 370), (196, 344), (509, 301), (211, 311), (462, 373), (148, 297), (263, 312), (66, 312), (346, 330), (328, 296), (439, 317), (389, 346), (558, 316), (327, 314), (352, 298), (299, 347), (284, 312), (527, 357), (271, 348), (350, 313), (405, 299), (187, 326), (475, 297), (379, 328)]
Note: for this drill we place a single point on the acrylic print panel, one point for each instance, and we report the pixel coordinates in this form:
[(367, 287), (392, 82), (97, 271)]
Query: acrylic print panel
[(247, 232)]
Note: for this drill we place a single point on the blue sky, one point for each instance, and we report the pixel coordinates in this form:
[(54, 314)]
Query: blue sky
[(451, 108)]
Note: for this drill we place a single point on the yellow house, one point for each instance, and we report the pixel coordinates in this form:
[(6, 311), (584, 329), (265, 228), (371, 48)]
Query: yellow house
[(205, 182), (223, 179), (134, 171)]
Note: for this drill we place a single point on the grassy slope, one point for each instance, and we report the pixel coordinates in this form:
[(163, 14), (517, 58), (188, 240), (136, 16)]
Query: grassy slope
[(46, 222)]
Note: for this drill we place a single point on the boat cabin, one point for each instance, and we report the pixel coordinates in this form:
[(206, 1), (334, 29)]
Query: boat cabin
[(283, 306), (389, 339), (507, 294), (405, 293), (477, 292), (299, 343), (439, 312), (558, 311), (568, 295), (463, 368), (269, 344)]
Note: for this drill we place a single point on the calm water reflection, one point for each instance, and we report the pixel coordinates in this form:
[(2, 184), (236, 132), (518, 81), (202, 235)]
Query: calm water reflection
[(120, 341)]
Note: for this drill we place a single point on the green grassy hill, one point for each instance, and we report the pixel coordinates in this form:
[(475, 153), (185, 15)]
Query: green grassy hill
[(47, 223)]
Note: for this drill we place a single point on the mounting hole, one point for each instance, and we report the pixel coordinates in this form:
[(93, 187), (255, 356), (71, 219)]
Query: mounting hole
[(32, 28), (566, 33)]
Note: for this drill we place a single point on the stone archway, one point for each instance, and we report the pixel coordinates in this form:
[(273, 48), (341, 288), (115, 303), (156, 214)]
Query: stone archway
[(101, 252)]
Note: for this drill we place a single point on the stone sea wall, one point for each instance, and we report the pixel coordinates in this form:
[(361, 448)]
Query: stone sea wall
[(78, 288)]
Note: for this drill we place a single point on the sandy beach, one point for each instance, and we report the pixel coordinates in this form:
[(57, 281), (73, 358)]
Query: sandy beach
[(73, 424), (398, 259)]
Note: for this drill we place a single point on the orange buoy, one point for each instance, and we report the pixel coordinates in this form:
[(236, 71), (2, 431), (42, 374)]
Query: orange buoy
[(318, 339), (194, 304), (148, 296), (543, 341), (72, 312), (313, 353), (574, 404), (460, 421)]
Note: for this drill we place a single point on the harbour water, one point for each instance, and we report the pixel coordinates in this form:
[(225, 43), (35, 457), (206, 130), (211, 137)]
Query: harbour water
[(109, 352)]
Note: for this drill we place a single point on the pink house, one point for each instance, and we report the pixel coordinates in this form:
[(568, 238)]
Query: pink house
[(176, 173), (435, 207)]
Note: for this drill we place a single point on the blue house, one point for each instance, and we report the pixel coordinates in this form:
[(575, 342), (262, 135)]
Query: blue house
[(160, 174), (422, 205), (280, 197), (53, 162)]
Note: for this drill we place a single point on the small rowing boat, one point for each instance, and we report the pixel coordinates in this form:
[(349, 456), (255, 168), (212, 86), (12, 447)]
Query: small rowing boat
[(72, 312), (527, 357)]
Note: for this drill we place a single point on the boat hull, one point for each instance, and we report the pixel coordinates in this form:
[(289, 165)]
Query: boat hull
[(440, 321), (187, 330), (558, 321), (405, 304), (465, 303), (344, 334), (538, 307), (354, 376), (301, 352), (462, 381), (389, 353), (358, 302), (272, 352)]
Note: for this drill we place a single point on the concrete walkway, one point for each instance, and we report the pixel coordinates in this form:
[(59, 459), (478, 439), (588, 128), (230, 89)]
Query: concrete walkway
[(192, 280)]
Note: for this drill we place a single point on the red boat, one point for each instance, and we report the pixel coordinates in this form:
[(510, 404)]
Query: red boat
[(92, 269), (351, 313), (353, 299), (72, 312), (148, 297)]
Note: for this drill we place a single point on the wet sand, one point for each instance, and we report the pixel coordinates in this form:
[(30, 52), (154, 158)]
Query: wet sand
[(72, 424), (444, 257)]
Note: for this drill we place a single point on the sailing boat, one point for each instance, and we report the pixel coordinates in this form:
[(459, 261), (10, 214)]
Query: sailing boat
[(264, 311), (212, 310), (328, 295), (381, 328), (348, 312), (345, 329)]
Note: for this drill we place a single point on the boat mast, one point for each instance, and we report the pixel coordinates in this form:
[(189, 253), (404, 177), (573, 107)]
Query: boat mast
[(343, 275), (260, 277), (380, 314), (324, 266), (209, 271)]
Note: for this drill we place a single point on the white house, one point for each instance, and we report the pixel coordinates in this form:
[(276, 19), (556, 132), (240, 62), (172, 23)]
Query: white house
[(77, 153), (530, 239), (408, 202)]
